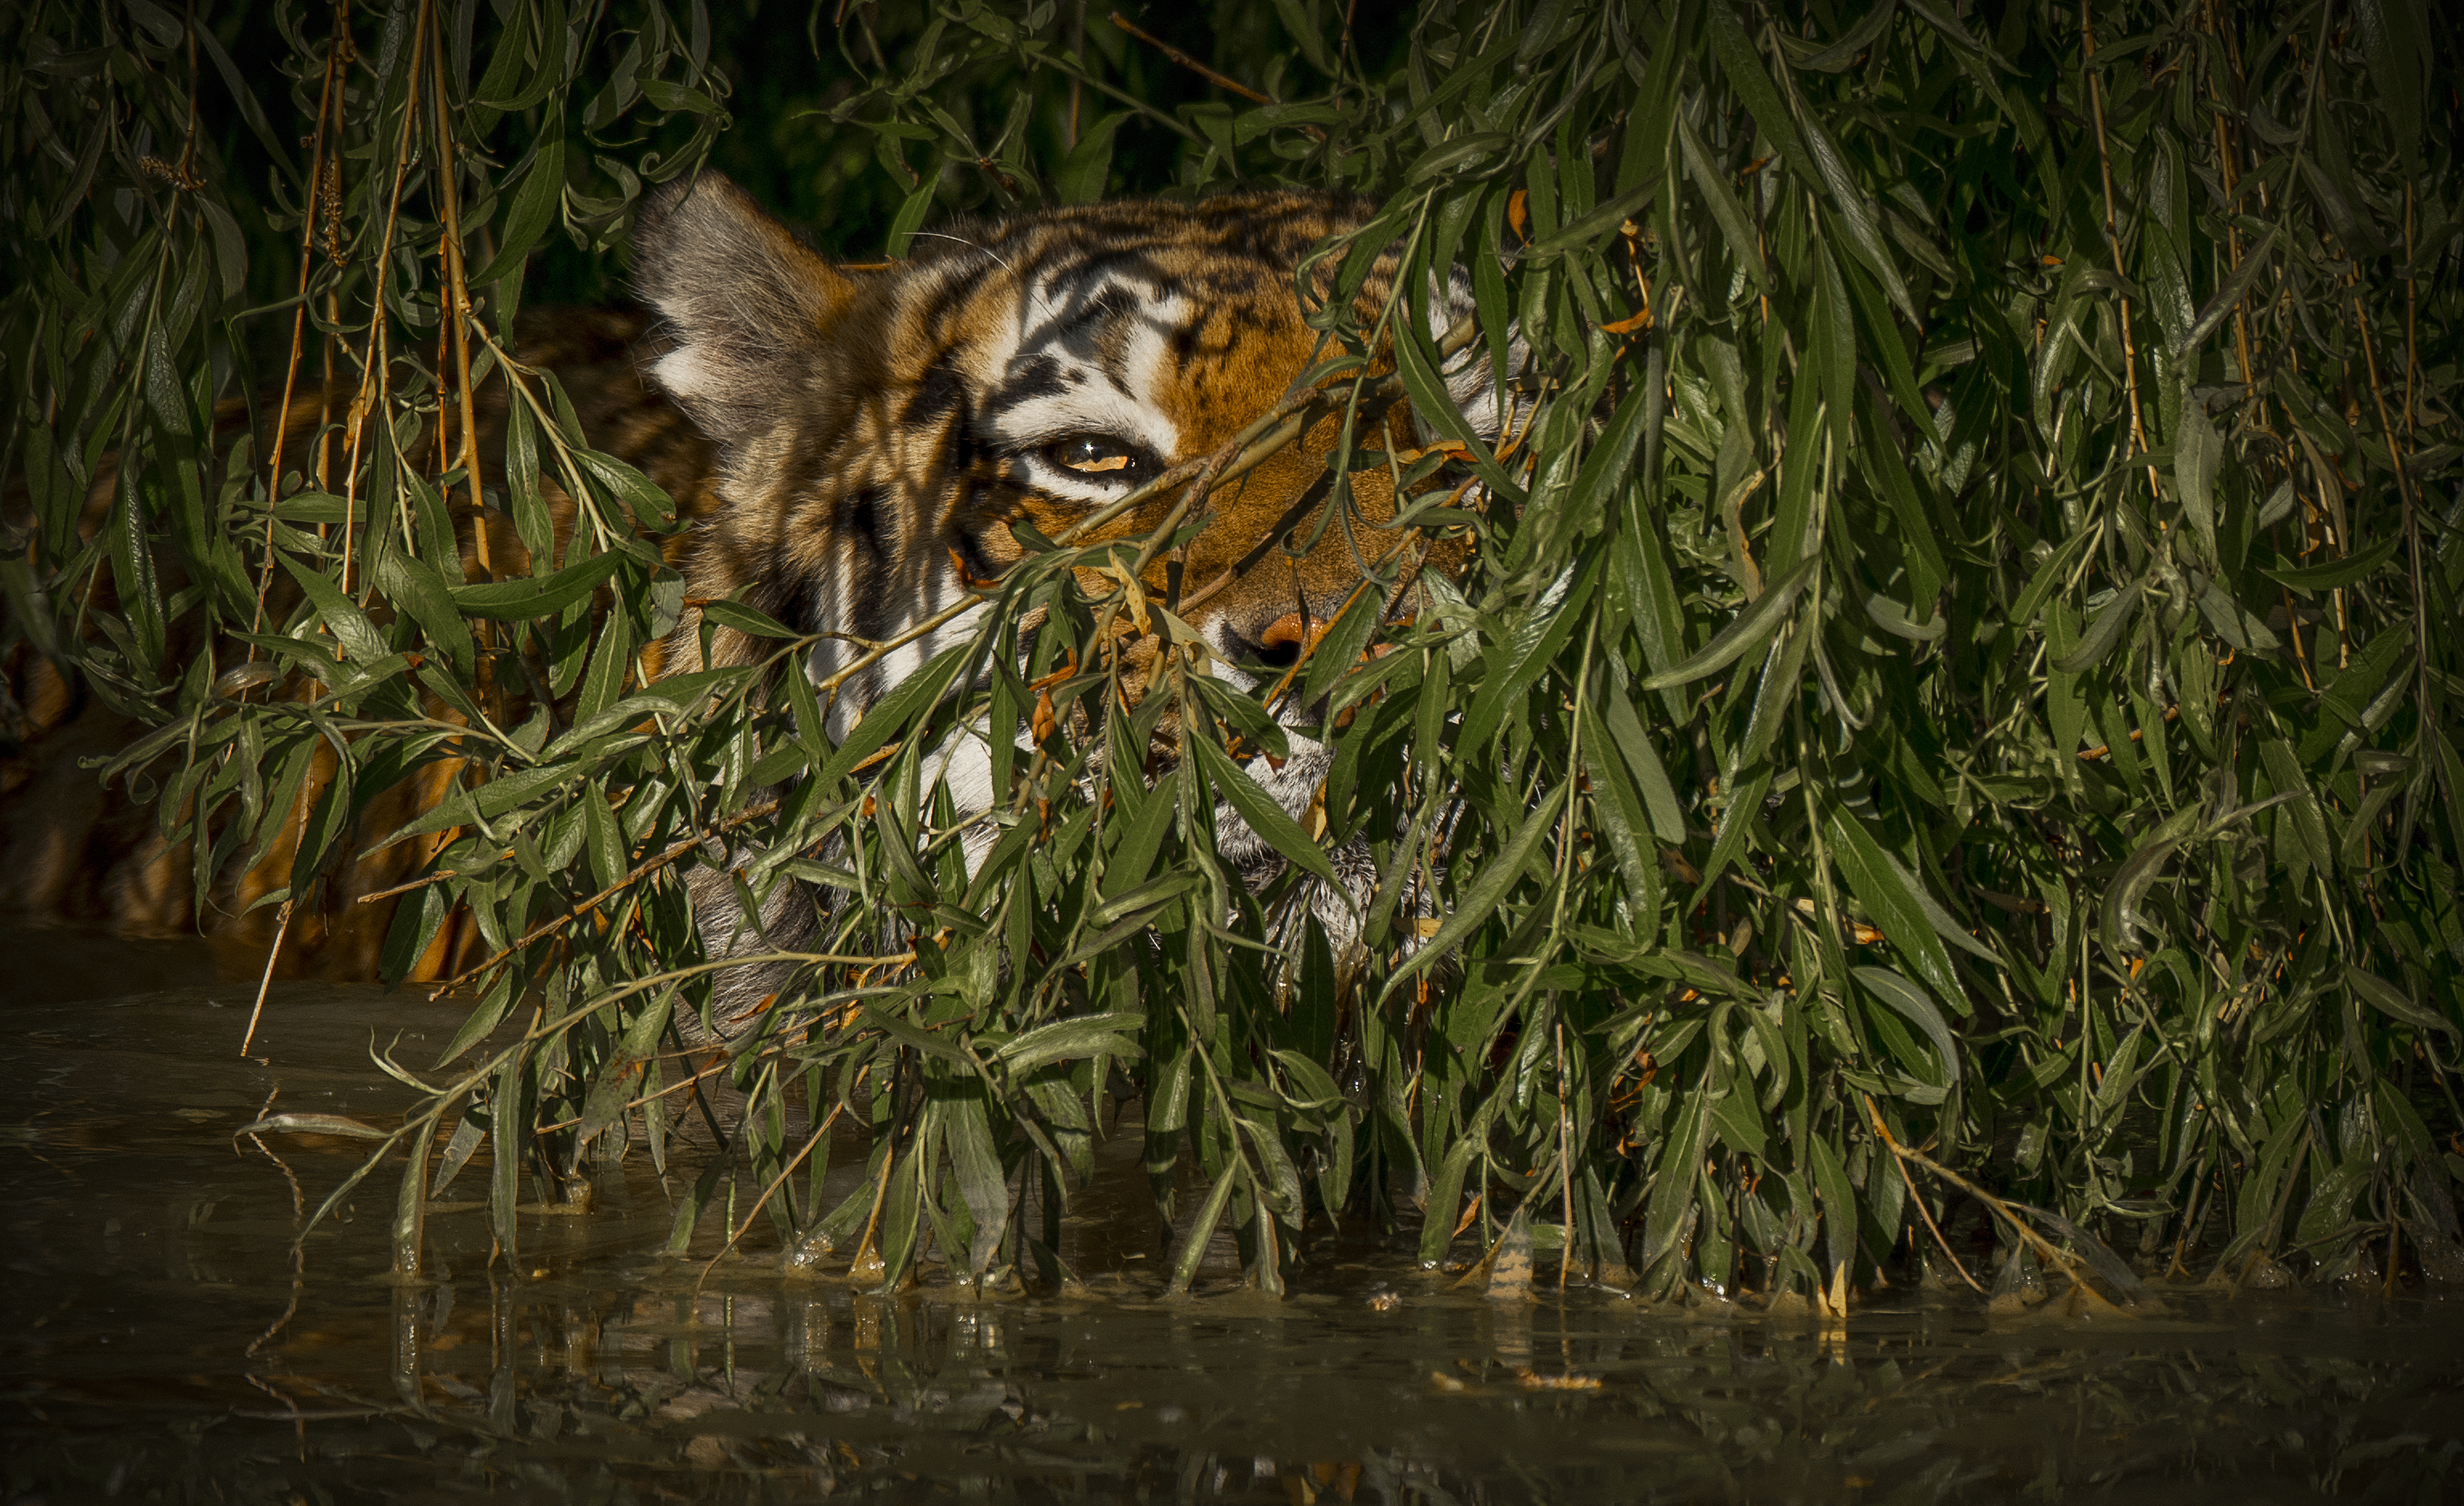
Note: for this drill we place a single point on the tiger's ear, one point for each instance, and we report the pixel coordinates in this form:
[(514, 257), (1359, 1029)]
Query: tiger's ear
[(742, 300)]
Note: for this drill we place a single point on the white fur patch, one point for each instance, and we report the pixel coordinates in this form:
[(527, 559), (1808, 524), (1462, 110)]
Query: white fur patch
[(1306, 764), (1471, 375), (831, 655), (686, 374), (1059, 323)]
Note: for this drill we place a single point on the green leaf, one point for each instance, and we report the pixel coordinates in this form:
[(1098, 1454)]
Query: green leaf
[(414, 585), (417, 918), (605, 838), (1347, 638), (1909, 1000), (1650, 778), (2387, 999), (1085, 173), (1744, 70), (1462, 152), (1445, 1200), (1259, 810), (1610, 460), (1202, 1231), (1488, 892), (1748, 631), (1526, 654), (2229, 297), (2048, 576), (2131, 881), (890, 717), (1840, 54), (2235, 623), (1893, 898), (1673, 1180), (1114, 1035), (535, 205), (1301, 25), (651, 507), (358, 637), (678, 99), (2332, 574), (1839, 1202), (2309, 823), (976, 1164), (2105, 629), (603, 684), (1415, 361), (910, 218), (289, 1124), (619, 1076), (1740, 1122), (526, 600), (745, 619), (1855, 215), (2331, 1200), (1594, 226), (1713, 185), (2198, 450)]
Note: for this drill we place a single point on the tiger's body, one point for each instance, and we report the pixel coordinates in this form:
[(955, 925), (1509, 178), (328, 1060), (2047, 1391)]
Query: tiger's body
[(857, 448)]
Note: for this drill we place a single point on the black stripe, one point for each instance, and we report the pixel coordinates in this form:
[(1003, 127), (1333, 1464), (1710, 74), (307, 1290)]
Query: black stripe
[(937, 397), (978, 565), (1041, 379), (859, 520)]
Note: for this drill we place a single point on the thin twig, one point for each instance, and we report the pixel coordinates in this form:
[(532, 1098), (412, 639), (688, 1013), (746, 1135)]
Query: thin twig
[(2045, 1248), (449, 191), (317, 167), (643, 871), (2230, 169), (420, 883), (1078, 50), (1228, 85), (784, 1173), (265, 985), (1917, 1196), (2113, 239), (375, 381), (2411, 516), (880, 1192), (723, 1063), (1564, 1159)]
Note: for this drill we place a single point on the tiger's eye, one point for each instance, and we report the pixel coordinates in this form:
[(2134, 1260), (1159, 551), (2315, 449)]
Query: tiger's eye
[(1090, 456)]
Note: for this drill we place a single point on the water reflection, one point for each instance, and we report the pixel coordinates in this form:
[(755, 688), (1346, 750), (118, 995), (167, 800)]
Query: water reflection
[(146, 1349)]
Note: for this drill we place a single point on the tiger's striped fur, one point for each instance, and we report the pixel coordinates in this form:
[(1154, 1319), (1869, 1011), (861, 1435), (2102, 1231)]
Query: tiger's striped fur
[(862, 443), (880, 434)]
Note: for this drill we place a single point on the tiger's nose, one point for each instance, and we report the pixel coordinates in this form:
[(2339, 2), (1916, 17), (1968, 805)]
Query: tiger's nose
[(1288, 637), (1291, 636)]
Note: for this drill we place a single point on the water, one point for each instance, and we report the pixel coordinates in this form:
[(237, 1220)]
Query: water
[(160, 1342)]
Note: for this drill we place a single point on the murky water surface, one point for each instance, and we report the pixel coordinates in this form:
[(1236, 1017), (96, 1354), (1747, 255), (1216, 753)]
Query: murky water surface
[(160, 1342)]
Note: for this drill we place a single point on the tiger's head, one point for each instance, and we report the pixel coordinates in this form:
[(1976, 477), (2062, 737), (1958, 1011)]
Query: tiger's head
[(883, 434)]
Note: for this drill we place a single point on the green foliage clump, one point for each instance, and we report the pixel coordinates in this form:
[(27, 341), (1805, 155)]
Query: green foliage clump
[(1947, 702)]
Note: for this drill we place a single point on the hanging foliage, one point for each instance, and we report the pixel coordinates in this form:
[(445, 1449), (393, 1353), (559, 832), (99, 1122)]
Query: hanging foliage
[(1945, 710)]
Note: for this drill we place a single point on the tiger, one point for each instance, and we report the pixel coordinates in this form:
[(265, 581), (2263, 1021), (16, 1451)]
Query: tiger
[(858, 447), (883, 438)]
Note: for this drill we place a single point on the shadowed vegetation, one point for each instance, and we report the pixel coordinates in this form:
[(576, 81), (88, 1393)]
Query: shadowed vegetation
[(1945, 719)]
